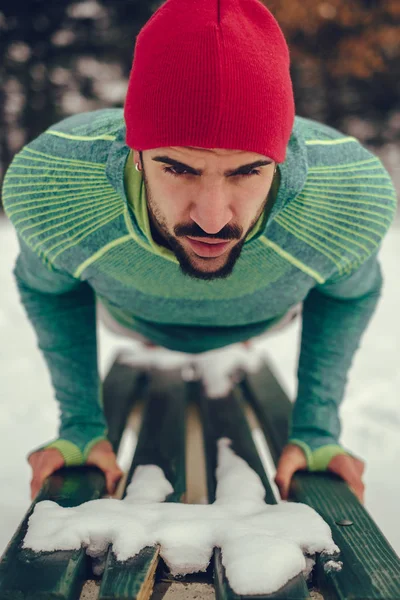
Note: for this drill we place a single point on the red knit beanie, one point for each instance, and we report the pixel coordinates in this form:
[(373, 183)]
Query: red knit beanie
[(211, 74)]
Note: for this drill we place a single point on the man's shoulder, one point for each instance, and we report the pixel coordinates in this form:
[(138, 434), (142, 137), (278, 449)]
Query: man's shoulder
[(70, 154), (97, 125), (81, 137), (328, 147), (315, 130), (56, 191), (84, 136), (342, 172), (347, 202)]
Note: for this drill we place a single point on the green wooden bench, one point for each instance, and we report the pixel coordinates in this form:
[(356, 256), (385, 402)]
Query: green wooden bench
[(371, 568)]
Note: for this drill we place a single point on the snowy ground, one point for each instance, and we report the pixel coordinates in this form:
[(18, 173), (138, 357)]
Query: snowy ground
[(370, 413)]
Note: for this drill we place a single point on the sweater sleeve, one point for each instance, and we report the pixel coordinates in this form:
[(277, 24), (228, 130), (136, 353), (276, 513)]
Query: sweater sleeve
[(62, 312), (335, 315)]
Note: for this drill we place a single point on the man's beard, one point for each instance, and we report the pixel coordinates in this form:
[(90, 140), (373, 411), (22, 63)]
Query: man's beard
[(161, 235), (189, 269)]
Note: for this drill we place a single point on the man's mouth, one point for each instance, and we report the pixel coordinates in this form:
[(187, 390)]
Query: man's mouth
[(211, 248)]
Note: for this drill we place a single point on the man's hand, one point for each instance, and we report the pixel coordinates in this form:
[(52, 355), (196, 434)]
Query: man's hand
[(102, 456), (293, 459), (45, 462)]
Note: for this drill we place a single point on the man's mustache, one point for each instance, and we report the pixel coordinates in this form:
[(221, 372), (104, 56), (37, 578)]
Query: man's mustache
[(232, 232)]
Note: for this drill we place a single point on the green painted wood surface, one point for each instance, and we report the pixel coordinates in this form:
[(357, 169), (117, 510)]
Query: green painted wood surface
[(371, 568), (27, 575), (224, 417), (121, 388), (161, 442)]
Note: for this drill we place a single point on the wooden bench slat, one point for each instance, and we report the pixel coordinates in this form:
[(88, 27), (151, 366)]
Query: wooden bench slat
[(371, 568), (225, 417), (121, 387), (49, 575), (164, 413), (26, 574)]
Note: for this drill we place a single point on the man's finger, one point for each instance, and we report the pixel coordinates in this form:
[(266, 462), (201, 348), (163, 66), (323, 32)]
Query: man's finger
[(38, 479), (359, 492), (107, 463), (292, 460), (351, 470), (43, 464), (36, 484), (103, 457), (112, 479), (35, 487)]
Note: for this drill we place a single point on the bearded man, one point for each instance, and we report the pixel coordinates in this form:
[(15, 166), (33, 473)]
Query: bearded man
[(202, 214)]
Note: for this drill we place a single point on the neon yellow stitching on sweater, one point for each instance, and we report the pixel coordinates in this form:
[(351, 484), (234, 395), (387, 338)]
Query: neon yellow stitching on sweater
[(318, 189), (339, 170), (327, 206), (316, 244), (333, 177), (71, 161), (82, 138), (100, 172), (296, 218), (334, 198), (75, 178), (331, 142), (86, 211), (100, 253), (109, 216), (316, 217), (294, 261), (64, 231), (345, 166), (293, 221), (139, 241), (86, 232), (349, 185), (65, 210), (39, 202)]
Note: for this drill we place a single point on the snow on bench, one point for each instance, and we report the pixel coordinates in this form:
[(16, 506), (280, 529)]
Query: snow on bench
[(257, 545)]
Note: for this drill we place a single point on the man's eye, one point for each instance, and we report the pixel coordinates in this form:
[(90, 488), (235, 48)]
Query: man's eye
[(178, 171), (252, 172), (173, 171)]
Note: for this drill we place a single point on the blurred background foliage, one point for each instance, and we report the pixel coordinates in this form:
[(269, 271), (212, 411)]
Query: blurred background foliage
[(62, 57)]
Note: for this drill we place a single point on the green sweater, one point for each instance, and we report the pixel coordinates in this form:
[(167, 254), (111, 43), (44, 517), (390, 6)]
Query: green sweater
[(82, 224)]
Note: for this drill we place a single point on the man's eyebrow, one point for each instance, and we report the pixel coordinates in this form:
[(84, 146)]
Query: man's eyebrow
[(177, 163)]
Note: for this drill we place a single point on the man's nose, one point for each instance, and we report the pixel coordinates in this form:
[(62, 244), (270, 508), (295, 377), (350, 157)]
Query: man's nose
[(211, 211)]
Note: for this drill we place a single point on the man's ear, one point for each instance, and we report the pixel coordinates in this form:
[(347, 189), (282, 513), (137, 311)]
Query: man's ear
[(136, 157)]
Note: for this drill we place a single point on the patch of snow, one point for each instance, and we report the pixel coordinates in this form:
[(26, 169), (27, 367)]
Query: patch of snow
[(250, 533), (148, 484), (333, 565), (216, 368)]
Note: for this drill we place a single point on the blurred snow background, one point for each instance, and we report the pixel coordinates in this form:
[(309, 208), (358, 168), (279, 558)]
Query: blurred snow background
[(370, 412)]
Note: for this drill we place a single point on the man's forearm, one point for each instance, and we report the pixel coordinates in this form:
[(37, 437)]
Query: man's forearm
[(334, 320), (65, 326)]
